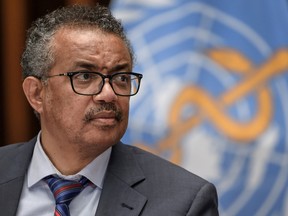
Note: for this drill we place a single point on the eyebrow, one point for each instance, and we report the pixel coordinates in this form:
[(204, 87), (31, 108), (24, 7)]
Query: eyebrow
[(121, 67), (86, 65), (94, 67)]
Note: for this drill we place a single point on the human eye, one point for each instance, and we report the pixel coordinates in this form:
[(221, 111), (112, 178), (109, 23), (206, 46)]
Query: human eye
[(122, 78), (84, 77)]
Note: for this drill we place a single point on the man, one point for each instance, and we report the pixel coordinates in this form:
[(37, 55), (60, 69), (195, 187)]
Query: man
[(77, 68)]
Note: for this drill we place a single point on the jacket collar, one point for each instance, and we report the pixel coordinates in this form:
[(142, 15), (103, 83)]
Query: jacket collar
[(12, 176), (118, 195)]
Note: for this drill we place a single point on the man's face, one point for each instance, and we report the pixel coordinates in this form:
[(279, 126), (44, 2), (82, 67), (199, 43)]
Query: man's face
[(98, 120)]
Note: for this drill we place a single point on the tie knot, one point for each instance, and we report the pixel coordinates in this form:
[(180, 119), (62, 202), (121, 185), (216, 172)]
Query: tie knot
[(65, 190)]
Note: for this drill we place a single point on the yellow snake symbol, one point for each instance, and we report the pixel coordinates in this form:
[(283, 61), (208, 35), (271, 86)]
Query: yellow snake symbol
[(213, 110)]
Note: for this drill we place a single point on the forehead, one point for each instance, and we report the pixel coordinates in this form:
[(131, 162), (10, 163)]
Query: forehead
[(90, 43), (79, 35)]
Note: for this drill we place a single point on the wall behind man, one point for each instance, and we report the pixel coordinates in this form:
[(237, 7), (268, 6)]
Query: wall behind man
[(17, 120)]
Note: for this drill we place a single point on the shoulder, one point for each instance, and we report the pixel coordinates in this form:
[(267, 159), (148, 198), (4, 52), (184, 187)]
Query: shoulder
[(8, 149), (174, 187), (160, 168), (17, 151)]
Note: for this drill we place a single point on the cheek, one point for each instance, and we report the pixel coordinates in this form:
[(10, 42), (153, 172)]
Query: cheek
[(62, 107), (125, 108), (125, 113)]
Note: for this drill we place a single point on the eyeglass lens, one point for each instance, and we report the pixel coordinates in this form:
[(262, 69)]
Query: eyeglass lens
[(125, 84)]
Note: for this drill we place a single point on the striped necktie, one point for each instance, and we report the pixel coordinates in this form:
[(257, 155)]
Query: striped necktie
[(64, 191)]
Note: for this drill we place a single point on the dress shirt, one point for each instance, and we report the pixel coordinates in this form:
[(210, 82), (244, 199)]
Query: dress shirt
[(37, 199)]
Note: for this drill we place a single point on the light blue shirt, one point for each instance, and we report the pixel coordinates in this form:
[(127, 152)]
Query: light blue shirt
[(37, 199)]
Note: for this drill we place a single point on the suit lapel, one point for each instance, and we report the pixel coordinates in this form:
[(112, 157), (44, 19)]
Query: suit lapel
[(12, 174), (10, 194), (118, 195)]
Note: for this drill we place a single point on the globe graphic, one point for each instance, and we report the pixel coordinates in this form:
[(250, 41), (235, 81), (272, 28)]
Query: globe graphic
[(172, 48)]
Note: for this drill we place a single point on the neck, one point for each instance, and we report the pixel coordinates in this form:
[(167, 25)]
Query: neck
[(70, 158)]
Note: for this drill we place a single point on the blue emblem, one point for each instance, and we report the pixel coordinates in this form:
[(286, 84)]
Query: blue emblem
[(214, 98)]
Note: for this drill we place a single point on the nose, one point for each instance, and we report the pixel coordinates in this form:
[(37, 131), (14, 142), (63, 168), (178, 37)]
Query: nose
[(107, 94)]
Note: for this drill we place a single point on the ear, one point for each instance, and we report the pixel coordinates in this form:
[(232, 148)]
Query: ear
[(33, 89)]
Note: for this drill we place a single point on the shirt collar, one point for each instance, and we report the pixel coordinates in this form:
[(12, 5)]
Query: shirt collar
[(41, 167)]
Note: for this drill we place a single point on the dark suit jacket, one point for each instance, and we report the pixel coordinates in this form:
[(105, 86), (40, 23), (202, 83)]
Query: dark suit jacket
[(136, 183)]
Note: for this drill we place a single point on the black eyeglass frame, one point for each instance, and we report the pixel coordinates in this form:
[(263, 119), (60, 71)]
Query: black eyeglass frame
[(109, 76)]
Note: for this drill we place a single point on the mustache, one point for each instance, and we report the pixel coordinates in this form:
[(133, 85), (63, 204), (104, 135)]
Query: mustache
[(111, 107)]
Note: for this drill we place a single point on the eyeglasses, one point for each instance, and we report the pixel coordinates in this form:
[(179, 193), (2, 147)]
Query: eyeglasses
[(91, 83)]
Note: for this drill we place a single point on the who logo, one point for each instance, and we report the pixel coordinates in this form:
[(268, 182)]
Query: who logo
[(214, 99)]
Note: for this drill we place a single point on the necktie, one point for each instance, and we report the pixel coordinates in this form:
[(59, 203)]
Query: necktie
[(64, 191)]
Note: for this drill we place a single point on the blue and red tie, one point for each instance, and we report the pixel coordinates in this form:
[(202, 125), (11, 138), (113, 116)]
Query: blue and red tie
[(64, 191)]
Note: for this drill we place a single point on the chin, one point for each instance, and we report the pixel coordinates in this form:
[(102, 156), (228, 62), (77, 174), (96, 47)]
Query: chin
[(104, 137), (103, 134)]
